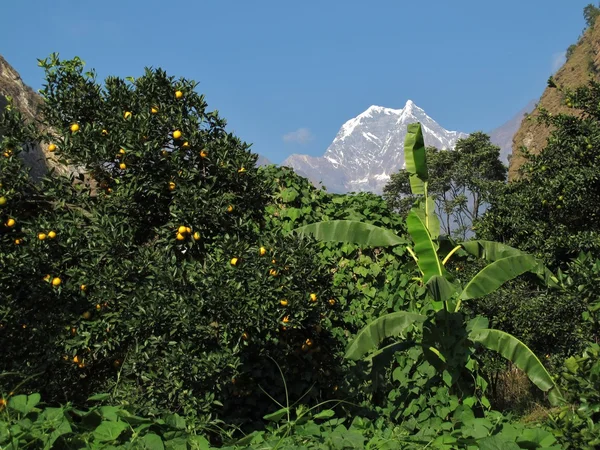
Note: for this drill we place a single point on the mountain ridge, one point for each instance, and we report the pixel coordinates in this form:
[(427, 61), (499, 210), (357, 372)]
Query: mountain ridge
[(369, 148)]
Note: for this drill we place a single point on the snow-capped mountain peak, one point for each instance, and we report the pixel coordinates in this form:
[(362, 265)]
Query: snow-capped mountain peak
[(369, 148)]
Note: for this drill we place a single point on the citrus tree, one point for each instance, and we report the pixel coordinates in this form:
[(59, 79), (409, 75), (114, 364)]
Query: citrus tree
[(150, 272)]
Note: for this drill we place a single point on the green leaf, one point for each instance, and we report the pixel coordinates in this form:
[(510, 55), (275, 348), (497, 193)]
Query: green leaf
[(24, 403), (98, 397), (521, 356), (383, 327), (277, 415), (325, 414), (175, 421), (493, 251), (351, 231), (494, 275), (415, 159), (109, 431), (440, 288), (198, 443), (425, 249), (289, 195), (425, 209), (152, 441), (497, 442)]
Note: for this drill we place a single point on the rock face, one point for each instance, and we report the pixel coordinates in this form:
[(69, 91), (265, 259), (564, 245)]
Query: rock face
[(583, 63), (28, 103), (503, 135), (369, 148)]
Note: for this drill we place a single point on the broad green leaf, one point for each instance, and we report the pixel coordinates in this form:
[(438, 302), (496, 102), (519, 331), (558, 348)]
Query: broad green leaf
[(426, 211), (152, 441), (440, 288), (175, 421), (415, 159), (388, 325), (497, 442), (24, 403), (109, 431), (198, 442), (521, 356), (425, 248), (289, 195), (355, 232), (493, 251), (494, 275)]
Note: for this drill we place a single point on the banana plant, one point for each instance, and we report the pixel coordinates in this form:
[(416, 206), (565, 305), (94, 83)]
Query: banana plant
[(446, 336)]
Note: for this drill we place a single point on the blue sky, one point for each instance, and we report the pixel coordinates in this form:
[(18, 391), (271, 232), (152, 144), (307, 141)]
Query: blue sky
[(287, 74)]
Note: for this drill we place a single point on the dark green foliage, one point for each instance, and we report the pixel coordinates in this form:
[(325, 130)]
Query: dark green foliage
[(551, 211)]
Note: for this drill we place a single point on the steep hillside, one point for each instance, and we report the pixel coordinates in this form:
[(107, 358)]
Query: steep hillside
[(28, 103), (583, 62)]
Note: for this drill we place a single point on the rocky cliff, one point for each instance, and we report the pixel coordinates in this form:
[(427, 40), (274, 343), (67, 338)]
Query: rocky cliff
[(27, 102), (583, 62)]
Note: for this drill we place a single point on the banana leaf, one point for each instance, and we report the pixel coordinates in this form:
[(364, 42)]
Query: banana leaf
[(494, 275), (425, 248), (388, 325), (492, 251), (351, 231), (521, 356), (414, 157)]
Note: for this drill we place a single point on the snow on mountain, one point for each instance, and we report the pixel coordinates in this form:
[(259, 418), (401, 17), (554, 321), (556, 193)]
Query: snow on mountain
[(369, 148)]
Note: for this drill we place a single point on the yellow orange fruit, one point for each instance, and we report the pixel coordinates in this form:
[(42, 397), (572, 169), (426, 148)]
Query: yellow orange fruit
[(196, 236), (171, 186), (76, 359), (127, 114), (233, 261), (98, 306), (42, 236), (87, 315), (182, 229), (229, 208), (51, 147), (283, 302), (188, 230), (331, 301), (51, 234), (241, 170), (186, 144), (47, 277), (18, 241), (178, 94), (154, 110), (104, 132), (273, 272), (56, 281), (309, 342), (3, 201), (245, 336), (286, 319), (262, 251), (176, 134), (122, 151), (313, 297), (122, 166), (83, 287), (203, 154), (180, 237), (11, 223), (74, 128)]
